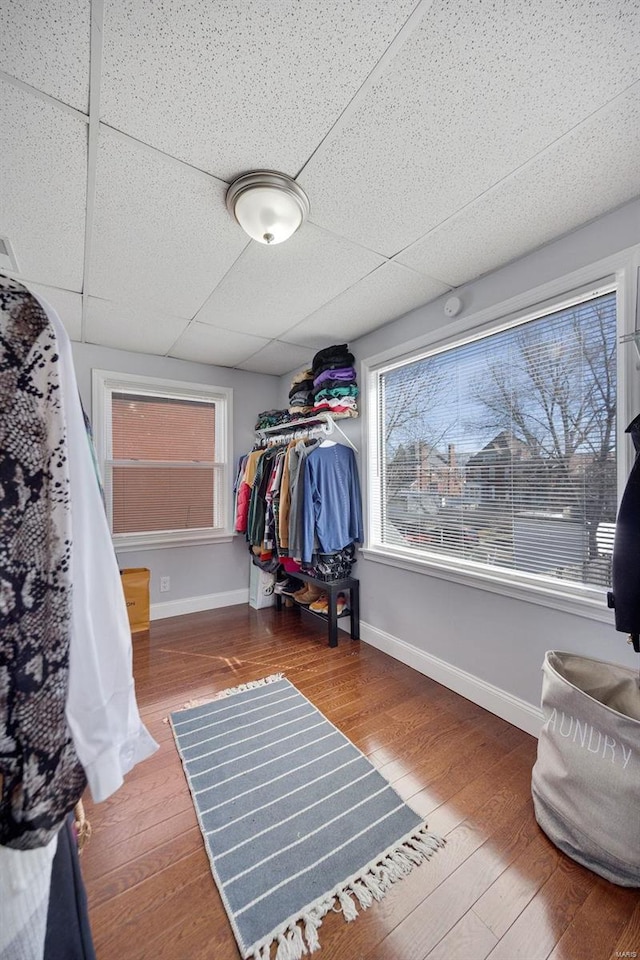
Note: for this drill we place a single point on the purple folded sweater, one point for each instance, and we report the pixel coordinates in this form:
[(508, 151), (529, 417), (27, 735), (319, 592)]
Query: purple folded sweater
[(347, 374)]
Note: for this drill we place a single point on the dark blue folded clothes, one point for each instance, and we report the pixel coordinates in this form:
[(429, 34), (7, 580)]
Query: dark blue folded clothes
[(334, 357), (273, 418), (300, 386), (302, 397)]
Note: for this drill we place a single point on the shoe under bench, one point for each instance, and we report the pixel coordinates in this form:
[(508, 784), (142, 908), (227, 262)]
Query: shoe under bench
[(332, 588)]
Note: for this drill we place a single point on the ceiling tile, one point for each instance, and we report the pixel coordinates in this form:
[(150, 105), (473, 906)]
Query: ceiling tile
[(162, 231), (203, 343), (269, 289), (413, 152), (67, 305), (387, 293), (236, 86), (567, 186), (47, 45), (278, 358), (130, 326), (43, 172)]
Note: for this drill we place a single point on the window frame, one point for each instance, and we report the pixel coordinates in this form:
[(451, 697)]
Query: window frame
[(104, 384), (620, 272)]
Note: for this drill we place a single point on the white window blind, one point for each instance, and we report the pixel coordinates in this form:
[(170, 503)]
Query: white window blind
[(164, 460), (501, 452)]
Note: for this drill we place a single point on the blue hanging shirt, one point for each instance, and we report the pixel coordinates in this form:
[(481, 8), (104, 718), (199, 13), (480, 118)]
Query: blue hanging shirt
[(332, 508)]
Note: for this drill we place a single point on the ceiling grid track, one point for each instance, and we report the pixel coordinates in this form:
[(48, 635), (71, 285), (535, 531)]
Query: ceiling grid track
[(635, 86), (157, 152), (41, 95), (408, 28), (95, 79)]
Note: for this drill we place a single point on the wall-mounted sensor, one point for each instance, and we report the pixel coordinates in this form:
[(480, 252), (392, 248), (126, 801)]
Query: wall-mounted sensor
[(453, 306)]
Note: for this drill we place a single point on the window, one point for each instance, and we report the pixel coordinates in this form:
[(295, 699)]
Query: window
[(163, 451), (496, 454)]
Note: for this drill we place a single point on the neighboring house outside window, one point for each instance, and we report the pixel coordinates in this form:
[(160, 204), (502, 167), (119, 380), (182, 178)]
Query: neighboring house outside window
[(164, 458), (494, 455)]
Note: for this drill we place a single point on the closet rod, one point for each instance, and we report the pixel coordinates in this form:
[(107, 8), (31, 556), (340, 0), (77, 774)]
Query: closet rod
[(326, 421), (634, 338)]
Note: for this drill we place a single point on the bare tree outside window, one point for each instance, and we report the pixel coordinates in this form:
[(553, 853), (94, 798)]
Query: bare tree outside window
[(502, 450)]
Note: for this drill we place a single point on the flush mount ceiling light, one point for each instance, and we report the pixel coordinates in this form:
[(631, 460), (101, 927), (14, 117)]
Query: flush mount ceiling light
[(269, 206)]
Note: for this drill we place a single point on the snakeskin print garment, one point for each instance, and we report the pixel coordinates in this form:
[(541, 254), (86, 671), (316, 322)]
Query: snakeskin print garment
[(42, 778)]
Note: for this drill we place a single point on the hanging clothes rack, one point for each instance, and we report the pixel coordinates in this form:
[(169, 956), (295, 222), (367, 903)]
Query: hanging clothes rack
[(323, 424)]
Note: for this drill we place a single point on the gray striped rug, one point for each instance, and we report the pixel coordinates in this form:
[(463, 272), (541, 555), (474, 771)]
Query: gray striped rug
[(296, 820)]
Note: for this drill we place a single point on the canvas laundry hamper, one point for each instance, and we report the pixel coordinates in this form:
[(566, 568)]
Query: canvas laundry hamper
[(586, 779)]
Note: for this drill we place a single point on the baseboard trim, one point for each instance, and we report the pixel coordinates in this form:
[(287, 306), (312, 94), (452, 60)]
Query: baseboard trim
[(211, 601), (504, 704)]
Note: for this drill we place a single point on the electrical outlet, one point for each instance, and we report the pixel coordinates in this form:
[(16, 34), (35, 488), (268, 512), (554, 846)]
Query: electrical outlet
[(165, 584)]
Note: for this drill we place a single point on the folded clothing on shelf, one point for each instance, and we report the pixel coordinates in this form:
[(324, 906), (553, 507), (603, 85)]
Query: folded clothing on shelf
[(334, 357), (274, 418)]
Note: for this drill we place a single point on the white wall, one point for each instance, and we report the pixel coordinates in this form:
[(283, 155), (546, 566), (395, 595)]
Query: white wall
[(448, 630), (206, 574)]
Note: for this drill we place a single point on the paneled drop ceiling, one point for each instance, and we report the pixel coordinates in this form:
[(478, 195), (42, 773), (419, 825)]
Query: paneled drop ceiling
[(437, 140)]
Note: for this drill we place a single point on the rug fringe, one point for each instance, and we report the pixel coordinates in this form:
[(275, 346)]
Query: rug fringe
[(371, 884), (250, 685)]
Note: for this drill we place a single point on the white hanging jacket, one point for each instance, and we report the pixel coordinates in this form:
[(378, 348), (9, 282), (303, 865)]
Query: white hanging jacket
[(102, 712)]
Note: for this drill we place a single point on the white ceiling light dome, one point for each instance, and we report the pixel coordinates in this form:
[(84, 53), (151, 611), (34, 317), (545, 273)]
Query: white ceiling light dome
[(269, 206)]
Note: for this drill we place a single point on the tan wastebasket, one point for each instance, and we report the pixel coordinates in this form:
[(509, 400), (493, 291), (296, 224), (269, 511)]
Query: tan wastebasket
[(135, 583)]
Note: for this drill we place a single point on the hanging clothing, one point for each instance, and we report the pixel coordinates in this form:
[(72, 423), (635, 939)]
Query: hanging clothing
[(625, 596), (245, 487), (284, 506), (241, 496), (297, 519), (67, 684), (25, 885), (297, 460), (258, 504), (332, 510), (69, 713), (102, 712), (42, 775), (68, 934), (272, 500)]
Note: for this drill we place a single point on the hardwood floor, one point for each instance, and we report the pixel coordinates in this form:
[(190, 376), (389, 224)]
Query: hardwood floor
[(499, 889)]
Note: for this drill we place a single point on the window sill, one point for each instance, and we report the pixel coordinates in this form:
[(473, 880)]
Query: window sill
[(125, 542), (592, 604)]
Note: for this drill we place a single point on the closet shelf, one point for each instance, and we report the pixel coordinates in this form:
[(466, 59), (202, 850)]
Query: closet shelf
[(323, 422), (295, 424)]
